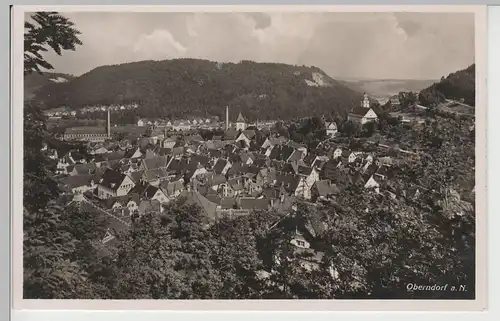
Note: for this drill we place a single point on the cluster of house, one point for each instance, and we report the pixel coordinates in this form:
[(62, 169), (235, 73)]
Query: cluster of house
[(66, 111), (227, 176), (179, 125), (100, 108), (59, 112)]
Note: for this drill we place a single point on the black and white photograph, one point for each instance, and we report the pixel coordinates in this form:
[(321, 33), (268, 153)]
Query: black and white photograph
[(249, 155)]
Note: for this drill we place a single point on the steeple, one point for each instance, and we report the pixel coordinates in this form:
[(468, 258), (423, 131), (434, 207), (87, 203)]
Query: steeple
[(240, 122), (366, 101), (240, 118)]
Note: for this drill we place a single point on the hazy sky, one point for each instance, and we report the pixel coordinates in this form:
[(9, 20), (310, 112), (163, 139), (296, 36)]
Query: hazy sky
[(344, 45)]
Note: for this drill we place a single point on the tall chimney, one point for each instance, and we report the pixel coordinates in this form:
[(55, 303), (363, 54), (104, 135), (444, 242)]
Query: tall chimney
[(109, 124), (227, 117)]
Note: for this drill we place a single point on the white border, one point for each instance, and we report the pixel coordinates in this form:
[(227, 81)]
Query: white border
[(254, 305)]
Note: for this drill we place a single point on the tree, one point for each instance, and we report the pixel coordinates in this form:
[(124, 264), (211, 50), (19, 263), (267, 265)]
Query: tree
[(407, 99), (47, 30), (49, 246), (350, 128), (369, 129)]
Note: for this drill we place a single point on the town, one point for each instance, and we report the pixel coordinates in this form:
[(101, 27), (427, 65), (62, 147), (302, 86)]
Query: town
[(250, 167), (191, 178)]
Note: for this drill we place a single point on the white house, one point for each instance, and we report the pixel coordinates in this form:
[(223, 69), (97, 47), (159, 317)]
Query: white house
[(337, 153), (331, 129), (308, 176), (113, 183)]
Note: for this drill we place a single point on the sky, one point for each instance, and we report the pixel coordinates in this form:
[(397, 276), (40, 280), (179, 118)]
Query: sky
[(344, 45)]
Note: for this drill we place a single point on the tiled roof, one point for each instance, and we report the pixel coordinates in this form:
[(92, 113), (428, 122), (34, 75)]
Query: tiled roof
[(359, 111), (85, 169), (76, 181), (171, 188), (254, 203), (86, 130), (149, 206), (145, 190), (194, 197), (303, 170), (112, 179), (325, 188), (155, 162), (219, 166)]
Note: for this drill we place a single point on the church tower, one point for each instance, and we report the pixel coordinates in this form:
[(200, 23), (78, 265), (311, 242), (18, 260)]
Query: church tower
[(240, 123), (366, 102)]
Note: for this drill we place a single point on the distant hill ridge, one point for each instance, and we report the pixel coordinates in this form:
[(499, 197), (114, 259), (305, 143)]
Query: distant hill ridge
[(458, 85), (194, 87), (35, 81)]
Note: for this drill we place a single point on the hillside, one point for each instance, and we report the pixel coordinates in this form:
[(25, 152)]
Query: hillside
[(35, 81), (383, 89), (191, 87), (458, 85)]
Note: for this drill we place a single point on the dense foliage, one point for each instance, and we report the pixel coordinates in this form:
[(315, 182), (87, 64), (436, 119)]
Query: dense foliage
[(35, 81), (191, 87)]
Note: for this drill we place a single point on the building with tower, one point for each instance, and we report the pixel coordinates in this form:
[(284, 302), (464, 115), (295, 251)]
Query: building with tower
[(363, 114), (240, 123)]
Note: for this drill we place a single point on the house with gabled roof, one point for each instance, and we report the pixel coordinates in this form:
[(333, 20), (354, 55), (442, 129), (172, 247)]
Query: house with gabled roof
[(295, 156), (155, 176), (331, 129), (149, 206), (154, 162), (290, 183), (133, 153), (83, 169), (281, 153), (208, 208), (113, 183), (253, 204), (222, 166), (246, 136), (147, 191), (79, 183), (265, 176), (172, 189), (323, 190), (230, 135), (233, 187), (246, 158)]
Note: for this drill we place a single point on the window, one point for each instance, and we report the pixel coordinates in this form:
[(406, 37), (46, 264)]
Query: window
[(301, 243)]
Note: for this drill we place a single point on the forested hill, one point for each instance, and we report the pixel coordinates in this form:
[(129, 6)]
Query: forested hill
[(458, 85), (191, 87), (35, 81)]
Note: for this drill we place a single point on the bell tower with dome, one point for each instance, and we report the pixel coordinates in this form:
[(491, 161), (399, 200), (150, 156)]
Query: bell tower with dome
[(365, 103)]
